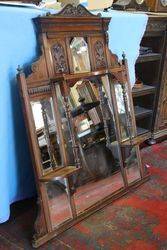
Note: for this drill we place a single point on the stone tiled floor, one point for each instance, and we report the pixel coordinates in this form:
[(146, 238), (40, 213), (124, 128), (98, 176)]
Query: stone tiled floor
[(138, 221)]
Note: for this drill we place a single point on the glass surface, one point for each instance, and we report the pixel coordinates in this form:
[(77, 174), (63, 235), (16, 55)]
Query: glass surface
[(46, 133), (131, 162), (65, 129), (164, 3), (80, 55), (58, 202), (124, 112), (99, 151)]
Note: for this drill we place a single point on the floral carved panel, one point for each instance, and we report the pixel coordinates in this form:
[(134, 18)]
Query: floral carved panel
[(100, 58), (60, 60)]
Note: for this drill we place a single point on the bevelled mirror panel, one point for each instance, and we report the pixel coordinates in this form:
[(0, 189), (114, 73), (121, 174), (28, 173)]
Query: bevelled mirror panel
[(80, 55), (131, 162), (100, 175), (65, 129), (124, 112), (46, 133), (59, 206)]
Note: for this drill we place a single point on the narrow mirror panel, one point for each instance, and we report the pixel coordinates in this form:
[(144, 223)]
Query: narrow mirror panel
[(46, 133), (59, 206), (65, 128), (131, 163), (124, 112), (80, 55)]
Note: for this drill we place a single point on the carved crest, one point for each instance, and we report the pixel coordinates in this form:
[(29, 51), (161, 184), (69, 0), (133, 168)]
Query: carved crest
[(59, 58), (74, 11), (99, 55)]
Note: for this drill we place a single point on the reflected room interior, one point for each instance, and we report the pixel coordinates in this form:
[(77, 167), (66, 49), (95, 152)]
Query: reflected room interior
[(80, 121), (94, 127)]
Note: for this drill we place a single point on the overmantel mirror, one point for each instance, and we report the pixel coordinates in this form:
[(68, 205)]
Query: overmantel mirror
[(80, 121)]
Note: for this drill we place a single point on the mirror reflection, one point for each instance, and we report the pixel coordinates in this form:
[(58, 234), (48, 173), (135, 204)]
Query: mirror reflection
[(99, 152), (46, 133), (80, 55), (69, 157), (131, 162), (123, 105), (59, 206)]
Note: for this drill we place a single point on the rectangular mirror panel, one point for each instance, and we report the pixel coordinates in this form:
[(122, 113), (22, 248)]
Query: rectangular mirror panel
[(59, 207), (46, 133), (124, 112), (80, 55), (100, 175), (65, 129), (131, 163)]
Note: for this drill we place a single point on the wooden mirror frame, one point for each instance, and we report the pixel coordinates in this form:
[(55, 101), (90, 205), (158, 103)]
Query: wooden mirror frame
[(52, 70)]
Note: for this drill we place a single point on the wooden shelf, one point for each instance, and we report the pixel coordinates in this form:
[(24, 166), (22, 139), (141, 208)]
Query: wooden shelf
[(73, 77), (146, 90), (142, 135), (149, 57), (61, 173), (141, 112), (135, 141), (150, 68), (141, 131)]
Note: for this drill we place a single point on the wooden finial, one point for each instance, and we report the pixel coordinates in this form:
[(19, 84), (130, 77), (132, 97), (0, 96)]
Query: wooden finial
[(123, 55), (19, 69), (123, 58)]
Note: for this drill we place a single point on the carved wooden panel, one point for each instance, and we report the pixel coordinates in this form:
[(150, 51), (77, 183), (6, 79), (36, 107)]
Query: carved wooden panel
[(24, 1), (156, 26), (39, 72), (59, 55), (40, 225), (98, 53), (39, 90), (74, 11), (161, 120)]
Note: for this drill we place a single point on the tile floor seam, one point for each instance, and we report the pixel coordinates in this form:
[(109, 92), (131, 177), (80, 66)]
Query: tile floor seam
[(65, 244), (12, 243)]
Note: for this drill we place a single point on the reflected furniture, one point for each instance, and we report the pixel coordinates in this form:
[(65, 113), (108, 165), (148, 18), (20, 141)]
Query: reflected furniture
[(150, 101), (80, 121)]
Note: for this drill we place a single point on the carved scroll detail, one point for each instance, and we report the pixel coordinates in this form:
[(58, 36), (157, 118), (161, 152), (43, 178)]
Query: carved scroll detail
[(40, 225), (99, 55), (39, 71), (74, 11), (59, 58), (156, 26)]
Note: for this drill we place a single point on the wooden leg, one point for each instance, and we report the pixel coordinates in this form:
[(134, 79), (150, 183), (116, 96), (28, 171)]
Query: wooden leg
[(151, 141)]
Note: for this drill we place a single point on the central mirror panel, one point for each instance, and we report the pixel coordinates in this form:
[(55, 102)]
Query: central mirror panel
[(80, 55), (93, 121), (46, 132)]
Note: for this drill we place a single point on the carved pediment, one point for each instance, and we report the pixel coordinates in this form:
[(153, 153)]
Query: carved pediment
[(23, 1), (74, 11)]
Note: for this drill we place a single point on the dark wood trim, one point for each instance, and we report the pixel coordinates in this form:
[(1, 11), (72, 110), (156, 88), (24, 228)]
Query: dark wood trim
[(90, 211)]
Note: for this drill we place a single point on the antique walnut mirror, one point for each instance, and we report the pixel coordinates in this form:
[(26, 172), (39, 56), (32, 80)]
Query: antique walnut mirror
[(80, 121)]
